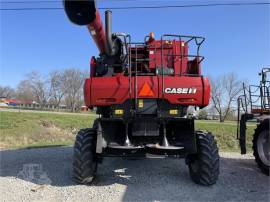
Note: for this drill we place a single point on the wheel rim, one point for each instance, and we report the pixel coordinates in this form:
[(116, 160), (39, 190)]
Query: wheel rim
[(263, 147)]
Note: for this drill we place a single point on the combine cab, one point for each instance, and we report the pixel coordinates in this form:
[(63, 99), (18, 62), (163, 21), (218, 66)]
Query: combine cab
[(255, 103), (142, 91)]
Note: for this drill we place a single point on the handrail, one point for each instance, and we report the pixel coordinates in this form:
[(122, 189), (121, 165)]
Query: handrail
[(132, 62)]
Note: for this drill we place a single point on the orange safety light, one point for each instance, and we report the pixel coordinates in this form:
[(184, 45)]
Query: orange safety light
[(146, 91), (151, 37)]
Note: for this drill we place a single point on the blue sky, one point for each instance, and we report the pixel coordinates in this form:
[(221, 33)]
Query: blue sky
[(237, 38)]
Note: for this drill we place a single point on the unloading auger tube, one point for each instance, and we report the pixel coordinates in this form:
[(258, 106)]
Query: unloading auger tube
[(85, 13)]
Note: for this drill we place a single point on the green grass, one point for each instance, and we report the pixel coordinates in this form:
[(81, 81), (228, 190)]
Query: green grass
[(225, 134), (36, 129), (28, 129)]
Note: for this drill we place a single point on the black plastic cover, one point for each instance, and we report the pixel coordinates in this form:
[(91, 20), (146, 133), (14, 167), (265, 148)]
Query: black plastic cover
[(80, 12)]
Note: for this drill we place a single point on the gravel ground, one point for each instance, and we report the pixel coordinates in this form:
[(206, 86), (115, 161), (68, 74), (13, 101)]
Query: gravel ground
[(22, 172)]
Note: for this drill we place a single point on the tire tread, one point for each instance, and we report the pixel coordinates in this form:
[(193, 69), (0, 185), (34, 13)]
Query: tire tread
[(84, 163), (207, 159), (261, 127)]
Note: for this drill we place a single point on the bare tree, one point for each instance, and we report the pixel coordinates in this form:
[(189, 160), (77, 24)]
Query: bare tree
[(40, 88), (6, 91), (224, 91), (23, 91), (58, 87), (73, 81)]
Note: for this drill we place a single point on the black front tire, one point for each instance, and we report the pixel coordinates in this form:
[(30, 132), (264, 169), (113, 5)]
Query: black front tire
[(262, 129), (84, 156), (204, 166)]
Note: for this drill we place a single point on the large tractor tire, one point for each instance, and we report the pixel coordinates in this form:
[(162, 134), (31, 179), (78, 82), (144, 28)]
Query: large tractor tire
[(204, 166), (261, 148), (84, 159)]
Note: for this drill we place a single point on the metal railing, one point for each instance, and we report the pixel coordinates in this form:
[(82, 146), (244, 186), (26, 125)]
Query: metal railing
[(198, 40), (255, 100), (132, 59)]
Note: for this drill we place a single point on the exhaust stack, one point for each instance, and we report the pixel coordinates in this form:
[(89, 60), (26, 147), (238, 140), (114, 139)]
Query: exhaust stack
[(86, 13)]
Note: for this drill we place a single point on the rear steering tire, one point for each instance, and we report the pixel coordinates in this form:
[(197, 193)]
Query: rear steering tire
[(84, 157), (261, 150), (204, 166)]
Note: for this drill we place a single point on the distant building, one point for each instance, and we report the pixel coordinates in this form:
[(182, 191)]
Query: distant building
[(15, 102), (31, 104)]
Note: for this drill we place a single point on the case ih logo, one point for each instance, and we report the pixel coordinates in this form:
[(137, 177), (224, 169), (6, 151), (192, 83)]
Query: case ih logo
[(180, 90)]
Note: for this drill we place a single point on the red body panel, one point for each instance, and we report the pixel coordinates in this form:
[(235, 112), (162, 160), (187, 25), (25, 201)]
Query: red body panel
[(183, 83), (105, 91), (96, 30), (171, 52)]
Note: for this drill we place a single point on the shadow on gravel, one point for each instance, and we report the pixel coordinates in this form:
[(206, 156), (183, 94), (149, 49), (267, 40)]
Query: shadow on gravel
[(145, 179), (50, 165), (45, 146)]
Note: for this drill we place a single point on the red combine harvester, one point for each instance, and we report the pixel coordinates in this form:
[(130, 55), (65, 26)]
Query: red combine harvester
[(142, 92)]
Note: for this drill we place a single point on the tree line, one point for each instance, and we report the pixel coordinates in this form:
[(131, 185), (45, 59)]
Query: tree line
[(225, 89), (58, 88), (65, 87)]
